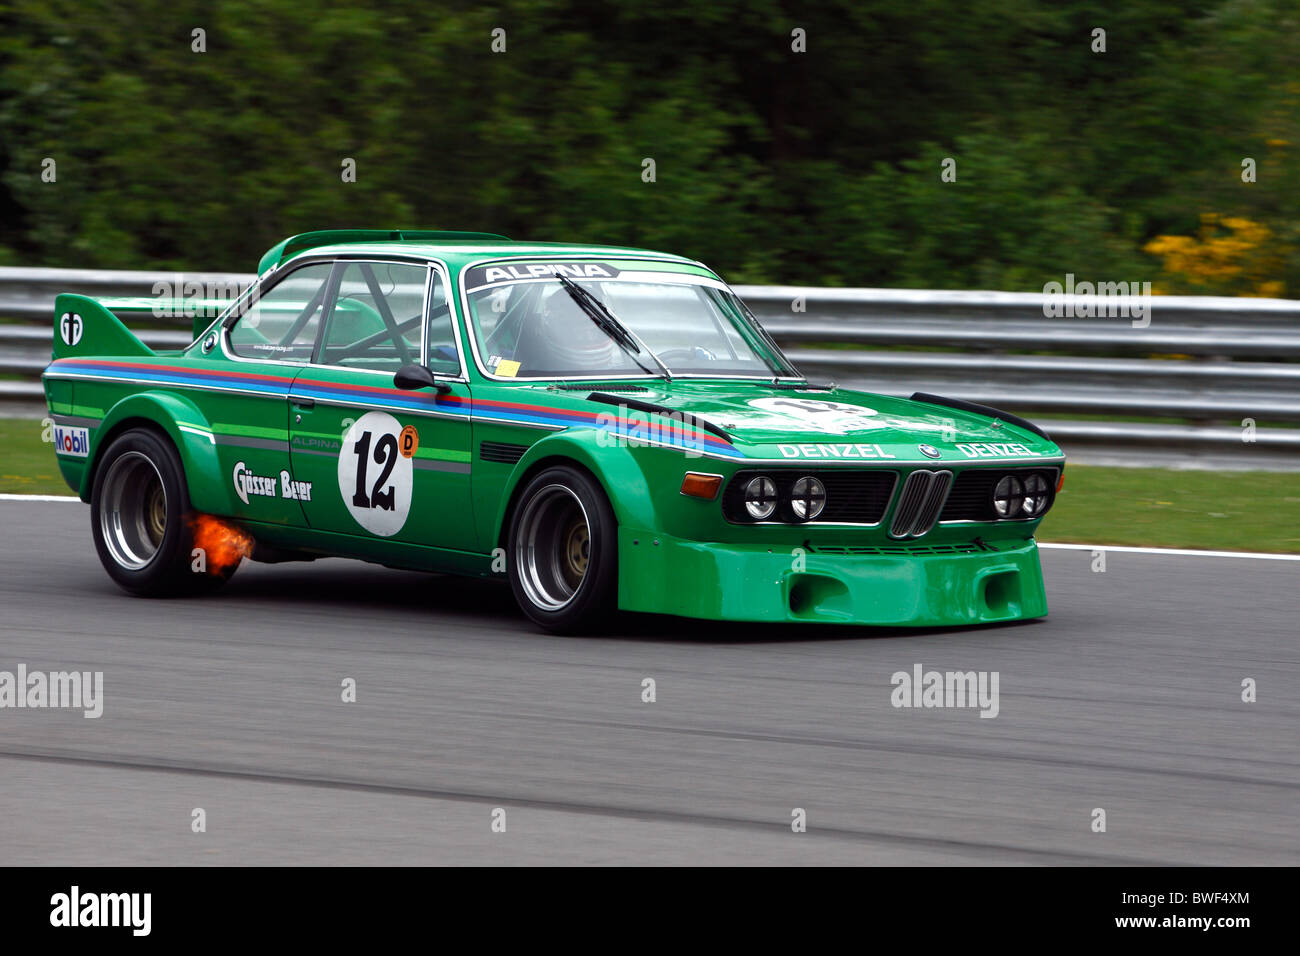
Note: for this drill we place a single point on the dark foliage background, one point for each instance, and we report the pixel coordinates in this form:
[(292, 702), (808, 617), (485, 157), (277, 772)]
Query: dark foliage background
[(773, 166)]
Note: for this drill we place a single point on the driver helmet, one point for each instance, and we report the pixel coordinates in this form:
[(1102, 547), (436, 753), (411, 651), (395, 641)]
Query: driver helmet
[(571, 339)]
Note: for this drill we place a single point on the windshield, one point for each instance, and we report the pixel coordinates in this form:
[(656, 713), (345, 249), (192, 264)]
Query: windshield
[(533, 327)]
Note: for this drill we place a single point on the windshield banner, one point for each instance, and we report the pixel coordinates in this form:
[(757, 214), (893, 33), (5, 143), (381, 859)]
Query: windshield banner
[(489, 275)]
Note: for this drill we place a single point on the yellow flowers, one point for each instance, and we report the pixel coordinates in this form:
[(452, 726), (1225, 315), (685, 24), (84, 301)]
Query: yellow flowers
[(1229, 254)]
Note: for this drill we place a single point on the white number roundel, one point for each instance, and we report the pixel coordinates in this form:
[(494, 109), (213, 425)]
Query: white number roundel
[(374, 477), (819, 415)]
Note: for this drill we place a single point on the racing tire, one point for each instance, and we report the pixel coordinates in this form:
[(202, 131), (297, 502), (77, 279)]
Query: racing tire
[(140, 517), (562, 551)]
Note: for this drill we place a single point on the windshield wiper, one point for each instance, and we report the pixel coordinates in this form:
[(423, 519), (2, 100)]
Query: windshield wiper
[(776, 360), (608, 323)]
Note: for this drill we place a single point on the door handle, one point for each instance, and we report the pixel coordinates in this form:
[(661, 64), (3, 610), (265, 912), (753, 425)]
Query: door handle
[(303, 402)]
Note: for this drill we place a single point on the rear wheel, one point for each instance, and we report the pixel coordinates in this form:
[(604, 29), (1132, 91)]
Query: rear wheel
[(563, 549), (141, 519)]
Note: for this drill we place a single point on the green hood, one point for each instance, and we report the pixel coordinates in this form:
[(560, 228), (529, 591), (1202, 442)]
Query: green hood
[(776, 423)]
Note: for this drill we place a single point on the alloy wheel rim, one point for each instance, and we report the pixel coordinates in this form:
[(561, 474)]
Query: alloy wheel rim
[(133, 510), (553, 547)]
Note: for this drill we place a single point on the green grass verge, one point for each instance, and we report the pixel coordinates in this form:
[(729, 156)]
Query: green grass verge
[(1153, 507), (27, 464), (1162, 508)]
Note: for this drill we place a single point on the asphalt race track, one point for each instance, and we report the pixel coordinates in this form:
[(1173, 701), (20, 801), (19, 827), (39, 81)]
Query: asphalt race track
[(1127, 698)]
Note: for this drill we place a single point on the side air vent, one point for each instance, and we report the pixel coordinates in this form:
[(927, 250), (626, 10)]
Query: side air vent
[(962, 547), (501, 451), (919, 503)]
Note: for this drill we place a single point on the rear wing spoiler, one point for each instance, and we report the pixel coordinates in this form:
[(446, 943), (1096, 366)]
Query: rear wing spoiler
[(83, 326), (86, 326), (200, 312), (287, 248)]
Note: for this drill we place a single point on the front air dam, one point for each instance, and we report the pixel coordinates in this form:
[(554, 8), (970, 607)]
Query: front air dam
[(714, 580), (1000, 592), (818, 597)]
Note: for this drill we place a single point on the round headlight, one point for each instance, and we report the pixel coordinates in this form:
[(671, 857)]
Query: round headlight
[(807, 498), (760, 498), (1035, 496), (1008, 497)]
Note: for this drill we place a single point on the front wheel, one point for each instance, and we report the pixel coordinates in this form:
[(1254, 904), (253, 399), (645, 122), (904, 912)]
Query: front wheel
[(141, 519), (563, 551)]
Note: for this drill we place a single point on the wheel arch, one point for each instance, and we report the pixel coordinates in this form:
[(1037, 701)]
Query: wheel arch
[(610, 468), (195, 444)]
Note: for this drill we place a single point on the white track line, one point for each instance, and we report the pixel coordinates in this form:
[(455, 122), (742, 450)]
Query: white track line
[(1173, 551), (1042, 544), (39, 498)]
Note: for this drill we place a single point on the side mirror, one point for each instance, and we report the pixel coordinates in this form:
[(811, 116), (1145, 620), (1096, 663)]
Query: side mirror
[(412, 377)]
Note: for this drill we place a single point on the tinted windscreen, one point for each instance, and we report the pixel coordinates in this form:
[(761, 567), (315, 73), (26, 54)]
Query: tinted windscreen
[(534, 327)]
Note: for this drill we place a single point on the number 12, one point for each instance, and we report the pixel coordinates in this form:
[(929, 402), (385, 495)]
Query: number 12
[(386, 455)]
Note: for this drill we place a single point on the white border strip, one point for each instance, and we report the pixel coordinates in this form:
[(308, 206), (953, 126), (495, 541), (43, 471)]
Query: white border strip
[(39, 498), (1173, 551), (201, 432), (1180, 552)]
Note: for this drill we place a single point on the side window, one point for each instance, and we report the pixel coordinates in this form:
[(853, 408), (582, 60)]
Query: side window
[(282, 324), (443, 357), (376, 318)]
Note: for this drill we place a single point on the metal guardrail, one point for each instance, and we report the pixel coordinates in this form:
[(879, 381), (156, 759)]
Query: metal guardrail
[(1205, 362), (29, 293)]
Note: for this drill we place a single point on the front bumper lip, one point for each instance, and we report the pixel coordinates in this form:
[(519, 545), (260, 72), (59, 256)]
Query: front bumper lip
[(666, 575)]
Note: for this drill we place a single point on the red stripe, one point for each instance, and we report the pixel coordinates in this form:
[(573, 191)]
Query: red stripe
[(373, 389), (177, 370), (594, 416), (576, 414)]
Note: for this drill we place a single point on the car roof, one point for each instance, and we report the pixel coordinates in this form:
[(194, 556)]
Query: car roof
[(457, 250)]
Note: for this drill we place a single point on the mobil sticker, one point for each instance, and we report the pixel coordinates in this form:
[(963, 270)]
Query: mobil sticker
[(71, 441)]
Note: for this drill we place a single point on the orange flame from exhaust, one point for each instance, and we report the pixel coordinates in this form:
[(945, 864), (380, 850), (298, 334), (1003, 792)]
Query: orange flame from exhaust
[(223, 543)]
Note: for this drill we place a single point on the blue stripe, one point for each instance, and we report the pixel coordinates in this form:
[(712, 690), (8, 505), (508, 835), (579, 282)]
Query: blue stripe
[(321, 390), (637, 432), (165, 377)]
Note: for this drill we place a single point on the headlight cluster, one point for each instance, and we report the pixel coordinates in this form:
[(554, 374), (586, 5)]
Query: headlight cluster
[(1017, 498), (807, 498)]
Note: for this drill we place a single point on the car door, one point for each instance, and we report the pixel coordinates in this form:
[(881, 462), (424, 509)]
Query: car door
[(246, 386), (383, 461)]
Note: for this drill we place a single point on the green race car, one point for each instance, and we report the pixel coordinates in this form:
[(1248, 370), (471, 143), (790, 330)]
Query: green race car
[(608, 428)]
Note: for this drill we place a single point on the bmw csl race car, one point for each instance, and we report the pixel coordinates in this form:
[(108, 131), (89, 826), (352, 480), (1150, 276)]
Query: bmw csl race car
[(609, 428)]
